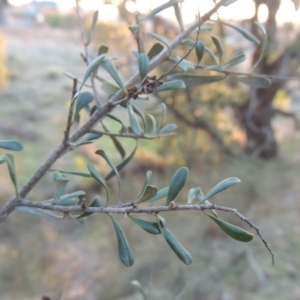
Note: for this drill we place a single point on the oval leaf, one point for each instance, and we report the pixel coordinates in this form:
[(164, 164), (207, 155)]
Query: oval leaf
[(149, 193), (199, 48), (150, 227), (9, 158), (177, 184), (155, 50), (40, 212), (83, 100), (161, 8), (153, 127), (237, 59), (160, 39), (168, 128), (11, 145), (195, 194), (171, 85), (219, 47), (249, 36), (263, 50), (92, 68), (113, 167), (112, 71), (93, 26), (143, 65), (255, 81), (160, 194), (134, 124), (223, 185), (125, 252), (193, 80), (178, 249), (147, 181), (98, 178), (235, 232)]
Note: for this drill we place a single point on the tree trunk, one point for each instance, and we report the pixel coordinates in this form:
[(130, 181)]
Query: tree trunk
[(257, 114)]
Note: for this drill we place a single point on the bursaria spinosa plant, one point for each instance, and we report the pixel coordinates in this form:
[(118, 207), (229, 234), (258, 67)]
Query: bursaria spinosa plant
[(181, 73)]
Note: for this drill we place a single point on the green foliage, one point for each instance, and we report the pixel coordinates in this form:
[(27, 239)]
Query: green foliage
[(123, 95)]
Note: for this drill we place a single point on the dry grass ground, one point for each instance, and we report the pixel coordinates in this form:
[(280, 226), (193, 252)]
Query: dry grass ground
[(40, 256)]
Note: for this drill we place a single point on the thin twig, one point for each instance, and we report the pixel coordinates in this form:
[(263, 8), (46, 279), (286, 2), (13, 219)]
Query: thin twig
[(189, 51), (71, 110), (134, 209), (133, 136), (100, 113)]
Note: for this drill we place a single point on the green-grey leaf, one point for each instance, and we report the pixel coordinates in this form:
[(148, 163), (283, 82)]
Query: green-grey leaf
[(153, 127), (147, 181), (150, 227), (221, 186), (140, 114), (122, 164), (249, 36), (39, 212), (133, 28), (9, 158), (92, 136), (171, 85), (125, 252), (61, 183), (119, 146), (200, 49), (178, 249), (161, 8), (98, 178), (92, 68), (109, 88), (96, 203), (110, 68), (193, 80), (177, 183), (113, 167), (211, 53), (234, 231), (2, 160), (214, 68), (160, 39), (263, 50), (134, 124), (178, 15), (143, 65), (102, 50), (164, 111), (168, 128), (219, 47), (68, 202), (83, 100), (160, 194), (184, 64), (93, 26), (195, 194), (255, 81), (11, 145), (155, 50), (149, 193), (237, 59), (82, 174)]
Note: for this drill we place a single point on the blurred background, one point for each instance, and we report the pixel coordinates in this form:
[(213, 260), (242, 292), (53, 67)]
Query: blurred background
[(225, 129)]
